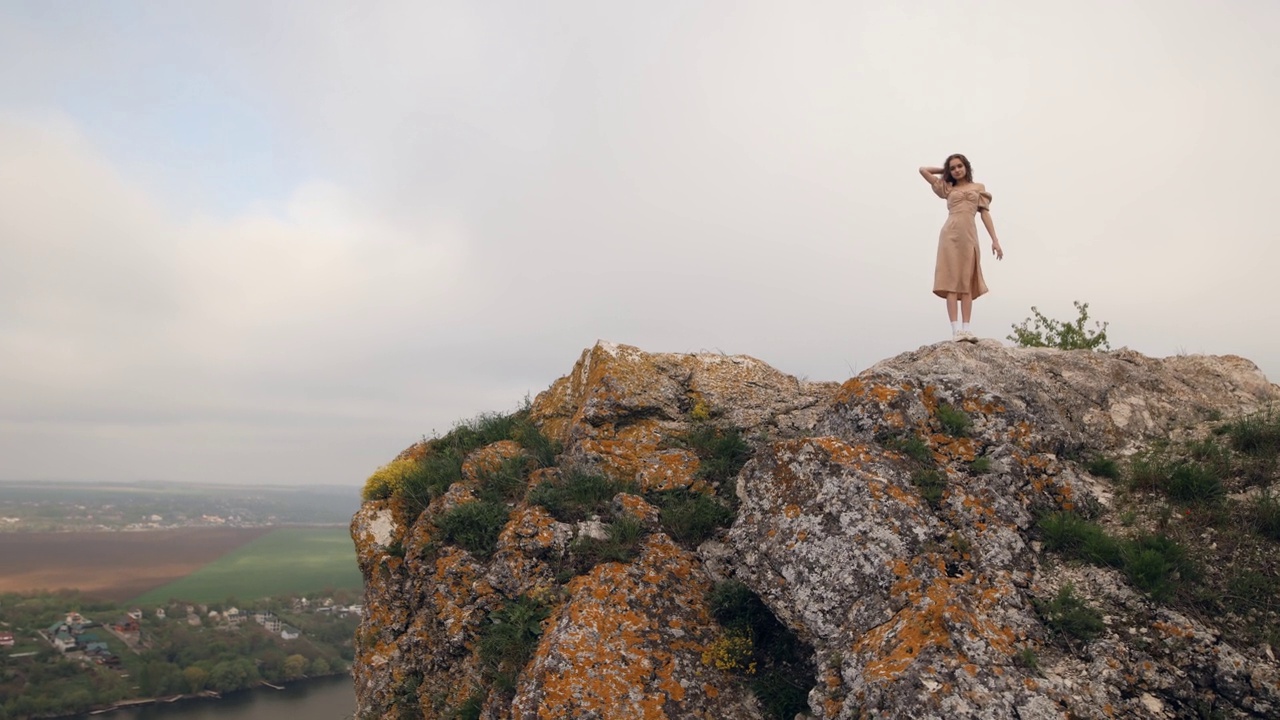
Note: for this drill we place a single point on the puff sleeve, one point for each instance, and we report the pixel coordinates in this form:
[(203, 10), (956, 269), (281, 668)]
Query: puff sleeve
[(940, 187), (984, 199)]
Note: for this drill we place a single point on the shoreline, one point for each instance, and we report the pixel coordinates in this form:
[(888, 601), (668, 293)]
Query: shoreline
[(202, 695)]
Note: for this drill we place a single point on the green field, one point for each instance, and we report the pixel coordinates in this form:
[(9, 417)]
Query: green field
[(284, 562)]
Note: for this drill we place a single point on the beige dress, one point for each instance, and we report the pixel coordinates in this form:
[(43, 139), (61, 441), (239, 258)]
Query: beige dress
[(959, 269)]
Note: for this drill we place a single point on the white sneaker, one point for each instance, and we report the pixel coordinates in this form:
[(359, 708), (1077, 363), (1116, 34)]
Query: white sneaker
[(965, 336)]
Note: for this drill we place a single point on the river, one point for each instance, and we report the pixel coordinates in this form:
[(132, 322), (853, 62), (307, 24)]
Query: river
[(332, 698)]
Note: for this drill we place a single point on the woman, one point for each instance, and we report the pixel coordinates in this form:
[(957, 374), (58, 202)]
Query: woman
[(958, 273)]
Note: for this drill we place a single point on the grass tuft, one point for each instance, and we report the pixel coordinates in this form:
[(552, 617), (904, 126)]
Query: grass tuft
[(910, 445), (474, 526), (578, 495), (1265, 515), (622, 544), (721, 452), (1103, 467), (1069, 617), (509, 638), (785, 675), (1072, 535), (1194, 483), (931, 484), (691, 517), (1257, 435), (1156, 564), (954, 421)]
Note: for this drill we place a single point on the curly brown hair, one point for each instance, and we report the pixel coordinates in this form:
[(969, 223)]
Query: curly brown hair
[(946, 169)]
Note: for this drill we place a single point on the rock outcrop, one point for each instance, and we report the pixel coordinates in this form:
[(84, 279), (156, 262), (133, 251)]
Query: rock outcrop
[(889, 523)]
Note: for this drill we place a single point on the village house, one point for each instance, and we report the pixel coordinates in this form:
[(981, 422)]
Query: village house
[(290, 633), (160, 614), (60, 637), (6, 639), (269, 621)]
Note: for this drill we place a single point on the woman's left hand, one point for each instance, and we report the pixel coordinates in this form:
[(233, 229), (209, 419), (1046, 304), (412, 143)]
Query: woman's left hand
[(997, 250)]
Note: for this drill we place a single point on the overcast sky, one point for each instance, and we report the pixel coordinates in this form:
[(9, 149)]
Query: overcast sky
[(276, 242)]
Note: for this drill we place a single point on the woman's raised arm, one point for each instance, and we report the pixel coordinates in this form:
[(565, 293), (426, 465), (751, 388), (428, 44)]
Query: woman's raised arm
[(931, 173), (933, 176)]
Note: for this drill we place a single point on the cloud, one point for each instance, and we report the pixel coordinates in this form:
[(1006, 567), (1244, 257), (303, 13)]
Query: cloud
[(344, 226), (119, 314)]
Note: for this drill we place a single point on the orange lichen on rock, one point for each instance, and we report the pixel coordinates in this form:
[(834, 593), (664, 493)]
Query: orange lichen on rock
[(489, 458), (616, 650), (666, 469), (856, 388), (637, 507), (931, 619)]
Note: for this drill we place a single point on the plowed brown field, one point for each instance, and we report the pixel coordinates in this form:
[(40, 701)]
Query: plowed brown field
[(112, 565)]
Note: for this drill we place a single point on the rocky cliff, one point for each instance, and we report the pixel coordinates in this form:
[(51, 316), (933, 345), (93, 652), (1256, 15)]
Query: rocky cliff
[(963, 531)]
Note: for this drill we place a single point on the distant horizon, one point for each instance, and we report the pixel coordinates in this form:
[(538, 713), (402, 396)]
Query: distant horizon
[(251, 243)]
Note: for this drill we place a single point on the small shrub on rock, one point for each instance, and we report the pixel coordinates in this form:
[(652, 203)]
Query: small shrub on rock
[(691, 517), (509, 638), (908, 444), (930, 482), (621, 544), (1265, 515), (1156, 564), (954, 421), (474, 526), (784, 674), (1074, 536), (577, 495), (1194, 483), (1070, 618), (1257, 435), (1103, 467), (1041, 331)]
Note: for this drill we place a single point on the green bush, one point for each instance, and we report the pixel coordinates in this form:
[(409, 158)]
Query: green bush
[(474, 526), (691, 517), (1067, 616), (1047, 332), (1156, 563), (484, 429), (1265, 515), (785, 677), (543, 449), (470, 709), (1077, 537), (1256, 435), (931, 483), (980, 465), (621, 544), (1252, 590), (507, 481), (1149, 470), (1194, 483), (781, 694), (721, 451), (420, 481), (578, 495), (1103, 467), (954, 421), (910, 445), (509, 638)]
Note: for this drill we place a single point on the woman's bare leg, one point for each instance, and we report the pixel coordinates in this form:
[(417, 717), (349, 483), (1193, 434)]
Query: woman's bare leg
[(951, 306), (966, 307)]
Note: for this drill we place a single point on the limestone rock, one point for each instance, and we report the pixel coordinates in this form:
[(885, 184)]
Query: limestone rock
[(915, 595)]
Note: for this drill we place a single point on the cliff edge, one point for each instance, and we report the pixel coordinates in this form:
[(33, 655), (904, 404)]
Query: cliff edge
[(962, 531)]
